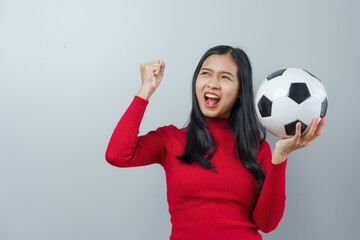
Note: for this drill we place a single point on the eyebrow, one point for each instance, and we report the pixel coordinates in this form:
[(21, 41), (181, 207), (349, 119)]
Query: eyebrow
[(208, 69)]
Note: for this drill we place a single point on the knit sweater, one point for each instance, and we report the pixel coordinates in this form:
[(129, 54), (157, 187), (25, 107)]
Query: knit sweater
[(203, 204)]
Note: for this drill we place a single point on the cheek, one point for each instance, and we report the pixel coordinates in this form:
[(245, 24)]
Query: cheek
[(232, 90), (237, 90), (198, 89)]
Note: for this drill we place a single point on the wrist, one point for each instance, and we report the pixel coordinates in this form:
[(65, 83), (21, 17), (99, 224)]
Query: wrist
[(145, 93), (278, 157)]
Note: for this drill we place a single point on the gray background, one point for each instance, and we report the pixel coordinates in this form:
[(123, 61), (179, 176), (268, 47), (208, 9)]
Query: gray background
[(69, 69)]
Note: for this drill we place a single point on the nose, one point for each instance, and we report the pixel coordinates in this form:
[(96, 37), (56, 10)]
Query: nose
[(213, 83)]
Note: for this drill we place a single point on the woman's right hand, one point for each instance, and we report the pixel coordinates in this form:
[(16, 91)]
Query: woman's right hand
[(151, 75)]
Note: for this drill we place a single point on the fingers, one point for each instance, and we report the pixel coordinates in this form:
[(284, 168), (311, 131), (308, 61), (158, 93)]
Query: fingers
[(151, 76), (156, 67), (162, 67), (299, 141), (297, 131), (314, 130), (320, 126), (312, 127), (161, 61), (159, 67)]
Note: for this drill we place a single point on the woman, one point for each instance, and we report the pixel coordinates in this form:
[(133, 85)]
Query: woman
[(223, 182)]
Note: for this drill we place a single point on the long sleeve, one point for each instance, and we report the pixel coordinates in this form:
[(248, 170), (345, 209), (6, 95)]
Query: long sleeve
[(126, 149), (270, 206)]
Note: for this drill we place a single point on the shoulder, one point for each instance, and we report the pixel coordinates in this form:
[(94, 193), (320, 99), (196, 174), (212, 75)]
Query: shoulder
[(169, 129), (170, 132), (172, 138)]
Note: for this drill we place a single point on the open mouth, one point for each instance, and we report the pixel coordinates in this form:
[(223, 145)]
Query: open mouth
[(211, 100)]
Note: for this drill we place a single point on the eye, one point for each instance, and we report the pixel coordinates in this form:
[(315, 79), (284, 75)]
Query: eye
[(226, 77), (205, 73)]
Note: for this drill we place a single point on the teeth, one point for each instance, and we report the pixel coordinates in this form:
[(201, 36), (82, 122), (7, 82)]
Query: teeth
[(211, 96)]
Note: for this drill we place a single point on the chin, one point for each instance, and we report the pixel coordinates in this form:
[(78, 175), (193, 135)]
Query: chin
[(210, 114)]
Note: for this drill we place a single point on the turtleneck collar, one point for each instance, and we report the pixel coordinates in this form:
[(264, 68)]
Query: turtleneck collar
[(217, 123)]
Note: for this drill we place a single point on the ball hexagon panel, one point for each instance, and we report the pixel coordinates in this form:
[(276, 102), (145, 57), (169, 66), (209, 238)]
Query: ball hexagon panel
[(274, 126), (301, 75), (317, 90), (312, 75), (264, 106), (299, 92), (296, 75), (308, 110), (275, 89), (285, 110), (261, 90)]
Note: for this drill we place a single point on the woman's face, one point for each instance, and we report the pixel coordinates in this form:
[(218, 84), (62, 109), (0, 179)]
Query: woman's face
[(217, 86)]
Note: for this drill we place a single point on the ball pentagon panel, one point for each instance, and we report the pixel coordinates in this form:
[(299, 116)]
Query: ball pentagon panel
[(275, 74), (324, 106), (291, 128), (264, 106), (299, 92)]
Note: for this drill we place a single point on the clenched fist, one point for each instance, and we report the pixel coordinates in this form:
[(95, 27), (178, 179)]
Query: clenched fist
[(151, 75)]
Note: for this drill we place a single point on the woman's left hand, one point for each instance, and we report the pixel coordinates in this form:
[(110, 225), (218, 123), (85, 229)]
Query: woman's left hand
[(285, 146)]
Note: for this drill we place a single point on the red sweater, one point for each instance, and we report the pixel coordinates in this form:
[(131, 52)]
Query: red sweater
[(203, 204)]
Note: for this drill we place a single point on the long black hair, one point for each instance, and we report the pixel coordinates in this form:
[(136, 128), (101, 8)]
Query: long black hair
[(248, 132)]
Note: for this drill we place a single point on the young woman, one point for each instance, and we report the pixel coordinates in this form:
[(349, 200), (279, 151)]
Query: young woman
[(223, 182)]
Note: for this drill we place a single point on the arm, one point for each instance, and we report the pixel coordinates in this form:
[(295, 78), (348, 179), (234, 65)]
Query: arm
[(125, 148), (270, 205), (285, 146)]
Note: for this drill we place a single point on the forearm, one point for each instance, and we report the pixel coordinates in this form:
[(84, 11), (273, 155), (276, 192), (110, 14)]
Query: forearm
[(271, 202), (278, 156), (125, 148), (145, 92)]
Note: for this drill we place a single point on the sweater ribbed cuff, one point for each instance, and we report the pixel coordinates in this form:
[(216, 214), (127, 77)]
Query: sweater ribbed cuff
[(140, 99), (276, 168)]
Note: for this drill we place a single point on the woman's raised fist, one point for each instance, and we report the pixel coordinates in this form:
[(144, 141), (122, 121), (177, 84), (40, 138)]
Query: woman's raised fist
[(151, 75)]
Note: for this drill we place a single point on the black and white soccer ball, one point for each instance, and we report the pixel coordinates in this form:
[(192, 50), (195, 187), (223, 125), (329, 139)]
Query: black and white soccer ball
[(289, 96)]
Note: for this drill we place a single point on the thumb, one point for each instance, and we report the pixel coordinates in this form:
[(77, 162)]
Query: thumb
[(162, 67), (297, 130)]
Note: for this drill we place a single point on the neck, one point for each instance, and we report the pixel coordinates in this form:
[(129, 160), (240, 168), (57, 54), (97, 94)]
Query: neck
[(217, 123)]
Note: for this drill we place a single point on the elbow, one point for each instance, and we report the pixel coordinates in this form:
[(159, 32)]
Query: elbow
[(267, 229), (267, 226), (110, 158), (117, 160)]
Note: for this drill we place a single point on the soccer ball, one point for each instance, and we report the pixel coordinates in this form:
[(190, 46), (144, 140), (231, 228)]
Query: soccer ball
[(289, 96)]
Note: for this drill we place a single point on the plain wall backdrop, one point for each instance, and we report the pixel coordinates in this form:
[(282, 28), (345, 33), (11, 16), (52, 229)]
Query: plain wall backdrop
[(69, 69)]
